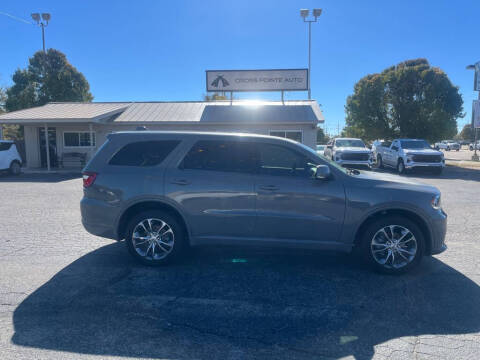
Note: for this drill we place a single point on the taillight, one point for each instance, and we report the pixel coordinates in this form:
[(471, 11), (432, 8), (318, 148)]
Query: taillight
[(89, 178)]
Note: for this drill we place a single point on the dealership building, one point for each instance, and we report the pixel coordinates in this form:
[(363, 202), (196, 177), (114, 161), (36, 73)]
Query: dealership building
[(76, 130)]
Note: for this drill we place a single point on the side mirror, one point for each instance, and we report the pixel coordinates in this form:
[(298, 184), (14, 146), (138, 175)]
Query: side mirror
[(322, 172)]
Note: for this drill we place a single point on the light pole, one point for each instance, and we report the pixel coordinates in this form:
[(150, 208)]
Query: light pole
[(304, 14), (475, 87), (38, 19)]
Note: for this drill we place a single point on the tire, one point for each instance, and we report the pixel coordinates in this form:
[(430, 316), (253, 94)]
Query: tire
[(437, 148), (471, 148), (379, 162), (457, 150), (15, 168), (404, 255), (165, 250), (401, 167), (448, 148)]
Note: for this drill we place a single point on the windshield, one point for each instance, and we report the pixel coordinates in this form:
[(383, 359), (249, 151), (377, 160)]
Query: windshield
[(349, 143), (415, 144)]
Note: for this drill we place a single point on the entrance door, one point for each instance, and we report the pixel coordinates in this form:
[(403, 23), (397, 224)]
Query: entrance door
[(52, 144)]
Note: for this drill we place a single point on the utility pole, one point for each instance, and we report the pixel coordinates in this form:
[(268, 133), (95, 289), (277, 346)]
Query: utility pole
[(304, 14)]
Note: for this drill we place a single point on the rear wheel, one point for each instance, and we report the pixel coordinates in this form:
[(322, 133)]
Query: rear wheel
[(393, 244), (155, 237), (15, 168)]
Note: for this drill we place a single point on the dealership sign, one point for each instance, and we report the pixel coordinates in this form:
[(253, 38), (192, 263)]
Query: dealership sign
[(257, 80), (476, 113)]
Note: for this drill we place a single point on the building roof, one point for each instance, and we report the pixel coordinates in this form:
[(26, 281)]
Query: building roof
[(302, 111)]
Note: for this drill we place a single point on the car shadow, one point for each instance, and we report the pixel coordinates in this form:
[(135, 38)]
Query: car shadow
[(237, 303), (44, 178)]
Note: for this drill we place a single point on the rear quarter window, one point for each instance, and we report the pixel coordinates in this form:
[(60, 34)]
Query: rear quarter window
[(143, 153)]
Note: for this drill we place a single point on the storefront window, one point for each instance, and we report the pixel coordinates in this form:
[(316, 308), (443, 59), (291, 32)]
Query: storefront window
[(78, 139), (288, 134)]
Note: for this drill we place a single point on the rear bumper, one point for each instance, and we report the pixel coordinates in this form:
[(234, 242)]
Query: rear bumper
[(98, 218)]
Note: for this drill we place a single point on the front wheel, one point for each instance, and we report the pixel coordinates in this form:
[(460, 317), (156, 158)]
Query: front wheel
[(393, 245), (401, 167), (155, 237), (379, 162), (15, 168)]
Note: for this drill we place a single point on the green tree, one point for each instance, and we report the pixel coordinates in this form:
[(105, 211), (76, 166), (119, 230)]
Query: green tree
[(466, 133), (10, 132), (322, 138), (214, 97), (411, 99), (48, 77)]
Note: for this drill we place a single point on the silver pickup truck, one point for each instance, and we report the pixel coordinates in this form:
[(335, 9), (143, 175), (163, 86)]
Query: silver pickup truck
[(407, 154)]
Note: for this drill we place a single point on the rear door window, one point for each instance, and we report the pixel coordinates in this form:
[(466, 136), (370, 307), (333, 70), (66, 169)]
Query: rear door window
[(144, 153), (217, 155)]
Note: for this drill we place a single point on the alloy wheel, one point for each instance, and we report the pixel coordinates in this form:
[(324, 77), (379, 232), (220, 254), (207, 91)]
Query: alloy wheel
[(393, 246), (153, 239)]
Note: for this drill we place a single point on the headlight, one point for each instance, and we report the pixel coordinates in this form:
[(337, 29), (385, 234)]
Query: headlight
[(437, 202)]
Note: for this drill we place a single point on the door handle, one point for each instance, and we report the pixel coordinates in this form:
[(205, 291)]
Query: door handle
[(180, 182), (269, 187)]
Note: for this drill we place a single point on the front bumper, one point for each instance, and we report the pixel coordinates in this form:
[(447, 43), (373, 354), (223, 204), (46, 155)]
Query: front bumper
[(413, 164), (353, 162), (438, 233)]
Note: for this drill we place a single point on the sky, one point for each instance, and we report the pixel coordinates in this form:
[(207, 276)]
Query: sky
[(159, 50)]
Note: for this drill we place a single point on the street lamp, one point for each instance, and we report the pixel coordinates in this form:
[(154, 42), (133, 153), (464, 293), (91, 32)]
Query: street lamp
[(38, 19), (304, 14), (475, 87)]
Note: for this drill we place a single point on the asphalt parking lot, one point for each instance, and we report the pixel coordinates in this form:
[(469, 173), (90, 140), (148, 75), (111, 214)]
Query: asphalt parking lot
[(65, 294)]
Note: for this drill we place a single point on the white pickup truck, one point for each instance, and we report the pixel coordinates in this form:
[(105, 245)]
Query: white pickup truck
[(349, 152), (407, 154)]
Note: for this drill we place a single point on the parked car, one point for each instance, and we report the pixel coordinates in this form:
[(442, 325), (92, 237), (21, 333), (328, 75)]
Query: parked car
[(163, 191), (348, 152), (407, 154), (9, 157), (447, 145), (320, 149), (474, 146)]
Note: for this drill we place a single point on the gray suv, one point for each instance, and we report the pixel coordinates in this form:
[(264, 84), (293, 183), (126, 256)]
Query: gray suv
[(165, 191)]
